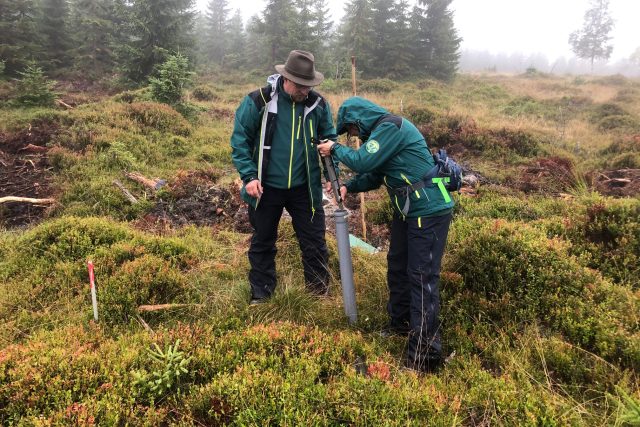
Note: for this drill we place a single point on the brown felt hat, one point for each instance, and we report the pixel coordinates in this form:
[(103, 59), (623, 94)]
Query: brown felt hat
[(300, 69)]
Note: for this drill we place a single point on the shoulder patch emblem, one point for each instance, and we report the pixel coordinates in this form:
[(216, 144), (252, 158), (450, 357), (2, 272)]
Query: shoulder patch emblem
[(372, 146)]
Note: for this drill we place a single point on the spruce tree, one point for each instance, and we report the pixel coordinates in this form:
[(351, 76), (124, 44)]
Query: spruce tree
[(321, 31), (442, 44), (53, 27), (400, 55), (303, 36), (356, 35), (236, 42), (217, 30), (278, 29), (20, 42), (94, 32), (155, 30), (592, 40), (381, 38)]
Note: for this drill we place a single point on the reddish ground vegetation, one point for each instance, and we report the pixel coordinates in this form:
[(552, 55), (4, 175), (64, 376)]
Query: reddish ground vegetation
[(547, 175)]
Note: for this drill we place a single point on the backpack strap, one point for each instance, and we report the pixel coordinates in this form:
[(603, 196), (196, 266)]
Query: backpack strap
[(261, 97)]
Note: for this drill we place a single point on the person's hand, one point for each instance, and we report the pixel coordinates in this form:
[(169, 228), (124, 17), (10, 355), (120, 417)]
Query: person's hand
[(325, 148), (254, 188), (343, 191), (327, 187)]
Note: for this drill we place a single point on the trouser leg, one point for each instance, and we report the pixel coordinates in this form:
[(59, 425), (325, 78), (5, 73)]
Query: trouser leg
[(310, 231), (262, 252), (397, 279), (426, 243)]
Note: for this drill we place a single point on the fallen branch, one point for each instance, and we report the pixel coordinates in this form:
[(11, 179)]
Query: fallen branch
[(61, 103), (159, 307), (153, 184), (126, 192), (33, 148), (145, 325), (8, 199)]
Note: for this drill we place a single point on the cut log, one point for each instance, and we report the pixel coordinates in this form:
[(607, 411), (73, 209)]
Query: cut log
[(153, 184), (8, 199), (126, 192), (159, 307)]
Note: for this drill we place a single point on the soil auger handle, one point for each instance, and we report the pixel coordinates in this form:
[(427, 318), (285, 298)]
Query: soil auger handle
[(331, 171), (342, 238)]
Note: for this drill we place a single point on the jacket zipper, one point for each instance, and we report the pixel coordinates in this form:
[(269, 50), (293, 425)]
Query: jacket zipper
[(306, 151), (293, 132)]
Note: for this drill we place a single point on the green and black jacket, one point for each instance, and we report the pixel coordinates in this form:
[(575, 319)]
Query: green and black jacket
[(395, 154), (271, 140)]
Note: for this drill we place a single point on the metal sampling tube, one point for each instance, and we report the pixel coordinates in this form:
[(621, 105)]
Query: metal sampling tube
[(346, 267), (344, 248)]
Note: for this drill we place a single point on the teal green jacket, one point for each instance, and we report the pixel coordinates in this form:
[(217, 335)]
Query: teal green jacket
[(395, 154), (271, 140)]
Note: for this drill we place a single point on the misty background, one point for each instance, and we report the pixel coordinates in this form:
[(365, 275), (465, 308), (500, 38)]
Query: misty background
[(509, 36)]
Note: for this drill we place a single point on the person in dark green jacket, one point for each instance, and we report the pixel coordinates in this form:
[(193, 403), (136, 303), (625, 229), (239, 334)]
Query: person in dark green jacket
[(280, 168), (396, 155)]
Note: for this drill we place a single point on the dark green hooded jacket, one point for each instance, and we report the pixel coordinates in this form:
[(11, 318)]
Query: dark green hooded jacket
[(287, 128), (395, 154)]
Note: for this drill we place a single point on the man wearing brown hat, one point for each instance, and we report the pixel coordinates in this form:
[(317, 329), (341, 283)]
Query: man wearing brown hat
[(280, 168)]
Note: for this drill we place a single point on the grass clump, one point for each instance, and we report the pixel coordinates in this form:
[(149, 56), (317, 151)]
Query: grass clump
[(159, 117)]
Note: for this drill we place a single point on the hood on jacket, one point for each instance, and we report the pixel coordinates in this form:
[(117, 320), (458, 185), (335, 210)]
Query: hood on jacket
[(362, 113)]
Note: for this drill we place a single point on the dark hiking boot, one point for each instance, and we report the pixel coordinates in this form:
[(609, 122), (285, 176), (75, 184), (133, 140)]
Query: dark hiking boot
[(427, 365), (258, 301), (393, 331)]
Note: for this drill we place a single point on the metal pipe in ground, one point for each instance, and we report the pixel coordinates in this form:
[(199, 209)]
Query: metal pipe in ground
[(346, 266)]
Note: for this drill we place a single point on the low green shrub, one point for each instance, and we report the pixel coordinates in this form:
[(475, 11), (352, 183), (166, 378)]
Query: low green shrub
[(624, 122), (419, 115), (159, 117), (204, 93), (608, 235), (513, 273), (377, 86), (335, 85)]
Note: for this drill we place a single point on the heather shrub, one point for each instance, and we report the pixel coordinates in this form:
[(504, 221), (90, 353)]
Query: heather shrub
[(514, 273)]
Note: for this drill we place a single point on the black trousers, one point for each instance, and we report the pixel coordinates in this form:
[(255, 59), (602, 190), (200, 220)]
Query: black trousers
[(310, 233), (414, 261)]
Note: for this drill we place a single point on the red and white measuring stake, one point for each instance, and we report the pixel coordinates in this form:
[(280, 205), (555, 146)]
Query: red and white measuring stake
[(94, 298)]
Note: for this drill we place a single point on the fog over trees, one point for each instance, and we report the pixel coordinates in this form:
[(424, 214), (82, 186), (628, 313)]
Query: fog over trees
[(391, 39)]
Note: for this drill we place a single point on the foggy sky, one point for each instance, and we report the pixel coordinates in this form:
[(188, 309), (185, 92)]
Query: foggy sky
[(509, 26)]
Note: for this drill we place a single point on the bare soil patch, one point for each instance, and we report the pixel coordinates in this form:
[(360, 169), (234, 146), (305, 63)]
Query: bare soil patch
[(25, 172), (549, 175), (617, 183), (195, 197)]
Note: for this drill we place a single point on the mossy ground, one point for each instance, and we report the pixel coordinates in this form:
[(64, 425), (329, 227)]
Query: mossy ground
[(540, 292)]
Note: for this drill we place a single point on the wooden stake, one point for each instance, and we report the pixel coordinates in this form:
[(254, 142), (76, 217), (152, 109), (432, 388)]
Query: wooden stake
[(363, 207)]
